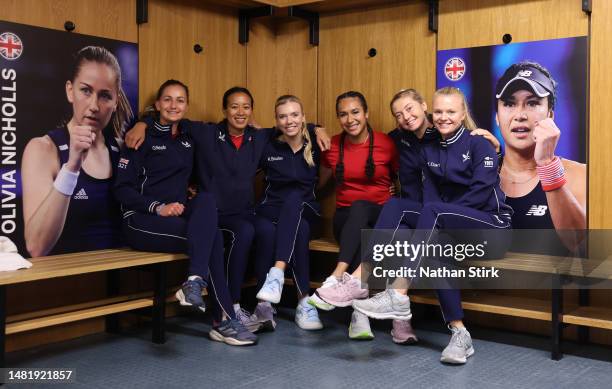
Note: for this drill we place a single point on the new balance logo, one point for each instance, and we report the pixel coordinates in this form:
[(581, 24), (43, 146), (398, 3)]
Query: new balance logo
[(81, 195), (537, 210)]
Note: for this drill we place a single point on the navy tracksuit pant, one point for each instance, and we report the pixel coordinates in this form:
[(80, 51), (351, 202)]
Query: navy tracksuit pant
[(194, 232), (282, 234), (459, 224), (398, 213), (239, 231)]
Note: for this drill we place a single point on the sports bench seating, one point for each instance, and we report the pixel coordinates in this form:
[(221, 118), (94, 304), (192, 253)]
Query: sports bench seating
[(552, 311), (109, 261)]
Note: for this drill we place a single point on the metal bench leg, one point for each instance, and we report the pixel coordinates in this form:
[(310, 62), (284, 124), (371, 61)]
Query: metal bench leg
[(556, 330), (159, 304), (583, 301), (112, 289)]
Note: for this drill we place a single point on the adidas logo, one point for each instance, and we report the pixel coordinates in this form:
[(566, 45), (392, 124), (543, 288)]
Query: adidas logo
[(537, 210), (81, 195)]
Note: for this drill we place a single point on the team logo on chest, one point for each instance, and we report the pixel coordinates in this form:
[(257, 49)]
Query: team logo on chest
[(221, 137), (466, 156), (186, 144), (405, 142), (537, 210)]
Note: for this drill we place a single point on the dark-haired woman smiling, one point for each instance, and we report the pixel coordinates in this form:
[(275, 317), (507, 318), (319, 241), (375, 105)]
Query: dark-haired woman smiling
[(363, 163)]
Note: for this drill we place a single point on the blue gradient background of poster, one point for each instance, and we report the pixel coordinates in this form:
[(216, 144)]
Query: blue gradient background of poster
[(565, 58), (42, 70)]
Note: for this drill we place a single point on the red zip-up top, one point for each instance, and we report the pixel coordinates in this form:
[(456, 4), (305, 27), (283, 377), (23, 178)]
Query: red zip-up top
[(356, 184)]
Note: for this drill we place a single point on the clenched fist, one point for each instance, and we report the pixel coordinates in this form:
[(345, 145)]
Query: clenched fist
[(546, 136), (81, 139)]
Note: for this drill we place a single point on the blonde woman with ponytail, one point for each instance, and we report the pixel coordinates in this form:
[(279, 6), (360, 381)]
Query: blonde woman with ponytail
[(285, 215)]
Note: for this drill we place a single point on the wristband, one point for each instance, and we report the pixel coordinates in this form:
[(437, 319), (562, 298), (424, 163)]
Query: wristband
[(66, 181), (158, 209), (552, 176)]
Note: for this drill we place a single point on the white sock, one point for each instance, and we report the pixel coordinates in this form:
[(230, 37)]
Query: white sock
[(236, 307), (400, 296), (193, 278), (277, 273)]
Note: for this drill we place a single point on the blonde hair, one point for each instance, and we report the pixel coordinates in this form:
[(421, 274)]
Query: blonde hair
[(284, 99), (468, 121)]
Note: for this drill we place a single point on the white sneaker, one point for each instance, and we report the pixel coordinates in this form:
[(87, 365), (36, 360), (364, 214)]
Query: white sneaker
[(307, 317), (316, 301), (272, 289), (359, 328)]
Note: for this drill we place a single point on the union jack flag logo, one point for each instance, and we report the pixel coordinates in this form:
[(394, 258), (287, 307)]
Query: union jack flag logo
[(11, 46), (454, 69)]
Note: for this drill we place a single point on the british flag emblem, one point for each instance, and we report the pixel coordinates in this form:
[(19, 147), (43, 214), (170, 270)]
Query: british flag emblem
[(454, 69), (11, 46)]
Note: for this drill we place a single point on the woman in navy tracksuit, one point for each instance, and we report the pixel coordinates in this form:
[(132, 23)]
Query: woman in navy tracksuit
[(288, 209), (227, 159), (157, 216), (461, 191)]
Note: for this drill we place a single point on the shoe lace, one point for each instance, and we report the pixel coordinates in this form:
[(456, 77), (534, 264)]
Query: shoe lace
[(381, 297), (194, 286), (310, 311), (243, 315), (459, 339)]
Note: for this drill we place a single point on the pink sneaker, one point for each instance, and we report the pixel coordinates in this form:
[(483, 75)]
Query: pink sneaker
[(343, 293), (403, 333)]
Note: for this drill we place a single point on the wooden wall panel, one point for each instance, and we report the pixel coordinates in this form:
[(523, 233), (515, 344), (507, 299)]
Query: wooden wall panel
[(166, 51), (405, 58), (280, 60), (470, 23), (600, 136), (114, 19)]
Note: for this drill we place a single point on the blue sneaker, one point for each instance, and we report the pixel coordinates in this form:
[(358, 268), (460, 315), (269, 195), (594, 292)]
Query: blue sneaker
[(307, 317), (232, 332), (190, 294), (272, 289)]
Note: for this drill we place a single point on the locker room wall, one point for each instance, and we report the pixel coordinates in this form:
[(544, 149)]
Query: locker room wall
[(278, 60)]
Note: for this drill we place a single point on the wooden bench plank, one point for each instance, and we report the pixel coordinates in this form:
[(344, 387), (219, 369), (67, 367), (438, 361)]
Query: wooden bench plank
[(83, 314), (93, 261), (597, 317)]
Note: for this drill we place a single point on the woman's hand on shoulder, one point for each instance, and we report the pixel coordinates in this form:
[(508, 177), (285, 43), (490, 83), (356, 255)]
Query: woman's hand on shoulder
[(488, 135), (323, 139), (136, 135)]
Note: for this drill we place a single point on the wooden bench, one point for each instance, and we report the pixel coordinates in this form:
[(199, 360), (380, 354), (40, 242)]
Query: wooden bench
[(82, 263), (553, 311)]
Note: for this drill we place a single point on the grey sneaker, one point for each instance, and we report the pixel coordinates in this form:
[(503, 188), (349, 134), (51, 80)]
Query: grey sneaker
[(359, 329), (385, 305), (249, 321), (264, 314), (459, 348)]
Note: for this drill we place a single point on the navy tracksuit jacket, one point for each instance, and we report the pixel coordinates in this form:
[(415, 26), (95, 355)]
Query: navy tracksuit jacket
[(158, 173), (287, 211)]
